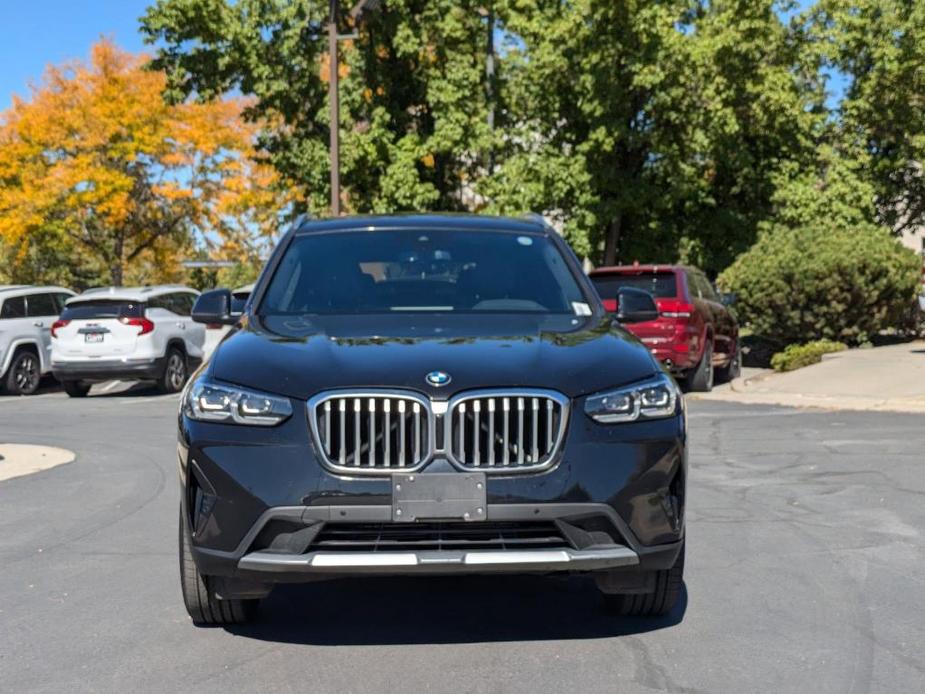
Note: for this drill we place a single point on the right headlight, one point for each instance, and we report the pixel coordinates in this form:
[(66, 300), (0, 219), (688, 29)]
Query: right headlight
[(208, 401), (653, 399)]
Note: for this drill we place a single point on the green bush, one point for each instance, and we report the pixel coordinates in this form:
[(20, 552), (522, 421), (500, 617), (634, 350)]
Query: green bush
[(813, 283), (798, 356)]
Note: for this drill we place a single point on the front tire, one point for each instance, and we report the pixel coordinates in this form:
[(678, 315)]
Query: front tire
[(175, 372), (701, 380), (668, 585), (200, 601), (24, 375), (76, 389), (734, 369)]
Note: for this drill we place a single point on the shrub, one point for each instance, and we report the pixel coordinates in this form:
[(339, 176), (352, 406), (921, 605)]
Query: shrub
[(818, 282), (798, 356)]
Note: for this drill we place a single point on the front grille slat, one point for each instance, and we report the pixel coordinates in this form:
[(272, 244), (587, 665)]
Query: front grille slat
[(342, 408), (520, 431), (372, 432), (491, 432)]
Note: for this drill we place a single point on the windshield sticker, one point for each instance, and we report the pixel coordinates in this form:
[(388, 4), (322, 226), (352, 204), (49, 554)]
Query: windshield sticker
[(581, 309)]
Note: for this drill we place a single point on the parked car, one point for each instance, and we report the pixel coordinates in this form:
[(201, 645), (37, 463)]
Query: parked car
[(695, 336), (138, 333), (26, 315), (428, 395)]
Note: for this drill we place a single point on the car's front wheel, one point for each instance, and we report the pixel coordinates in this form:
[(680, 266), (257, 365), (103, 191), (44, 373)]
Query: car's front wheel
[(201, 602), (734, 368), (668, 586), (701, 379)]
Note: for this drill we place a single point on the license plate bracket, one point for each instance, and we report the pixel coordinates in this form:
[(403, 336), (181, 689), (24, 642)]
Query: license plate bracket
[(446, 496)]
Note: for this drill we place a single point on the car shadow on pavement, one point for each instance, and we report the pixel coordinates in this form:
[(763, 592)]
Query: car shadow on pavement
[(443, 610)]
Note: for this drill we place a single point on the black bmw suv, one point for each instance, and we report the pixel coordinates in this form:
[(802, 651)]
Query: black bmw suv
[(428, 395)]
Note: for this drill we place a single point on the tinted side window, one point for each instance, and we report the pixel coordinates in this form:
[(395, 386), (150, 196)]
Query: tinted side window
[(695, 284), (60, 299), (707, 288), (41, 305), (14, 307), (164, 301), (184, 304)]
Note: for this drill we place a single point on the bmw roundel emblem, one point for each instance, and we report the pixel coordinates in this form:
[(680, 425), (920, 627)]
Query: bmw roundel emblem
[(438, 378)]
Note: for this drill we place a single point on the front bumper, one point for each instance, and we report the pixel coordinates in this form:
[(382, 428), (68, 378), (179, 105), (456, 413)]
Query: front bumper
[(248, 488), (248, 562)]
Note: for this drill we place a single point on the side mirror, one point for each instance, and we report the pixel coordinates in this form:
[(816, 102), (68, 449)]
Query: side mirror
[(214, 308), (635, 306), (728, 299)]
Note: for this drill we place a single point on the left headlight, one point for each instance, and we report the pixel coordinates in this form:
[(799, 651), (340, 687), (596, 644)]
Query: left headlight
[(653, 399), (208, 401)]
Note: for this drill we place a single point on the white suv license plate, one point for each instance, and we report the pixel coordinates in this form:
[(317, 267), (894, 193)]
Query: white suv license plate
[(93, 338)]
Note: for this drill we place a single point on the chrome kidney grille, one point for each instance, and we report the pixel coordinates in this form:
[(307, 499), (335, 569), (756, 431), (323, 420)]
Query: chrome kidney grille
[(506, 431), (380, 432), (368, 431)]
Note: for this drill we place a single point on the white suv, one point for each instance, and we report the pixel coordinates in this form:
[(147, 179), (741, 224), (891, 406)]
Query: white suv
[(26, 315), (139, 333)]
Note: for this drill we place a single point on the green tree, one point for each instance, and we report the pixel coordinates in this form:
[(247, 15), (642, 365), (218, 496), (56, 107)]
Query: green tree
[(647, 128), (413, 113), (878, 46)]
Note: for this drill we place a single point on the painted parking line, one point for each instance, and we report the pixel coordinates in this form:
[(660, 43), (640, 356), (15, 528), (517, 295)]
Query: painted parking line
[(109, 386)]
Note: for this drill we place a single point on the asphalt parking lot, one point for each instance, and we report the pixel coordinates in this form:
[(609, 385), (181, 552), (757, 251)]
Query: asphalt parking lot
[(805, 572)]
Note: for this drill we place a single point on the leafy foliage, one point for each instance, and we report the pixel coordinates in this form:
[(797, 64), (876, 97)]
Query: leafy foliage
[(644, 128), (797, 356), (824, 281), (878, 46), (413, 123), (104, 181)]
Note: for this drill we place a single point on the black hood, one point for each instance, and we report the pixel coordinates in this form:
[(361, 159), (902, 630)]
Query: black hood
[(301, 356)]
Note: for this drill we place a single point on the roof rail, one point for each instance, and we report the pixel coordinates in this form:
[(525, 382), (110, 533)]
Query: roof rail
[(535, 217), (301, 219)]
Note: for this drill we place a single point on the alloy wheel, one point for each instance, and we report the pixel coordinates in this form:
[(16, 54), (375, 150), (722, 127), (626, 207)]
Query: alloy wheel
[(176, 371), (26, 374)]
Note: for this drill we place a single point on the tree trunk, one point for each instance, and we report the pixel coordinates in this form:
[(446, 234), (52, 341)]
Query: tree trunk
[(612, 242), (115, 268)]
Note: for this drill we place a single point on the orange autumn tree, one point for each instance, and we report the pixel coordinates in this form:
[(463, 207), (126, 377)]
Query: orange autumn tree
[(96, 162)]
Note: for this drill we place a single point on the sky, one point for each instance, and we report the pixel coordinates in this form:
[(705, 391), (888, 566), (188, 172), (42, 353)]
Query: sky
[(36, 33)]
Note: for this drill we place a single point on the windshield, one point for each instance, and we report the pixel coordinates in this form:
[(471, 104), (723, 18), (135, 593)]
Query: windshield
[(431, 271), (102, 308), (661, 285)]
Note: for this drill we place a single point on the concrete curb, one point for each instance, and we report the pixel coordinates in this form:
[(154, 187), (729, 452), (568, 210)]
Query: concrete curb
[(19, 460), (854, 404)]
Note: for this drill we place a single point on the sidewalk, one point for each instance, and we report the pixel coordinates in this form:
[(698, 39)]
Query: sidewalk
[(889, 379)]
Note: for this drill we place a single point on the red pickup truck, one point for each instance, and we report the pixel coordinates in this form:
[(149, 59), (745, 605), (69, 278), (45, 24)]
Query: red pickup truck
[(695, 334)]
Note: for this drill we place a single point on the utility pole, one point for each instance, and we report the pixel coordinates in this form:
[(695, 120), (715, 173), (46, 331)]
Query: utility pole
[(334, 96), (490, 87), (356, 14)]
